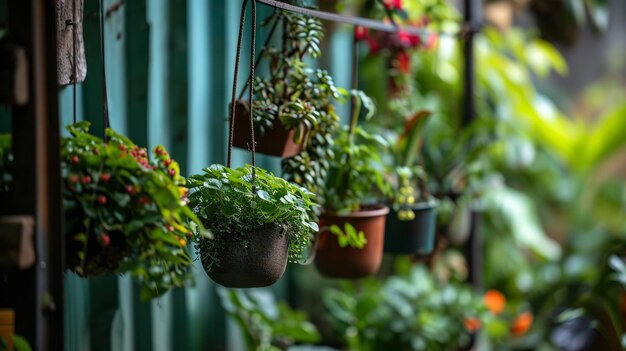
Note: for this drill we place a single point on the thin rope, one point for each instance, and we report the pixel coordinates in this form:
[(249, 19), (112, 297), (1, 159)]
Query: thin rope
[(270, 35), (74, 61), (250, 86), (105, 115), (233, 102)]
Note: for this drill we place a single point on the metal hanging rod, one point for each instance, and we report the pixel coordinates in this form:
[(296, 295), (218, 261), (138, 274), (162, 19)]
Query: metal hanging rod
[(356, 21)]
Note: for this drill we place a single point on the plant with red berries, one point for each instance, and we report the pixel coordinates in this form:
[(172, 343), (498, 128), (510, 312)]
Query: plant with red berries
[(124, 212)]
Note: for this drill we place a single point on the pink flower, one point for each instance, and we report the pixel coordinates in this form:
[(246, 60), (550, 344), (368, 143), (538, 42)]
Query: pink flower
[(409, 40), (393, 4)]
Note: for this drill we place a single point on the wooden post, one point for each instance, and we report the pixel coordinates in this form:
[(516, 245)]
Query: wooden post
[(36, 294), (70, 44)]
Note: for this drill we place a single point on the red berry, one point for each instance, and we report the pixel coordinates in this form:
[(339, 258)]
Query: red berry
[(74, 159), (189, 235), (172, 172), (360, 33), (130, 189), (122, 147), (143, 153), (144, 200), (158, 150), (86, 180), (96, 151), (102, 200), (134, 153), (104, 239), (170, 228), (105, 177), (73, 179), (167, 162)]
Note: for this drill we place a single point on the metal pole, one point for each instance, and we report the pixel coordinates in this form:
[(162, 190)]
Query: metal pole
[(473, 249)]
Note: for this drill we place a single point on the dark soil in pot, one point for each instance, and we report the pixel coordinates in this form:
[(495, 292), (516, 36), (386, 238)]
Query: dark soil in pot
[(276, 141), (336, 262), (99, 259), (416, 236), (258, 263)]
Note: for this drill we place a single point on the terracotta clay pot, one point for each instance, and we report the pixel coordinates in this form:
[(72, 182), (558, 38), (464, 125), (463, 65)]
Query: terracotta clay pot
[(416, 236), (276, 141), (261, 262), (336, 262), (7, 326)]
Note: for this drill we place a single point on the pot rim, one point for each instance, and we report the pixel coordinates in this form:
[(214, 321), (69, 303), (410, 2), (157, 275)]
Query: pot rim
[(373, 211), (423, 205)]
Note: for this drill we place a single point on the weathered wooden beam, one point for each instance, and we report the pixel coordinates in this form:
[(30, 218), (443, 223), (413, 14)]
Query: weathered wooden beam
[(70, 43), (36, 294)]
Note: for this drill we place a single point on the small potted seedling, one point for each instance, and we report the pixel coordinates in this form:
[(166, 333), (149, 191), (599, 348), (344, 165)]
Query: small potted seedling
[(412, 220), (258, 222), (353, 223)]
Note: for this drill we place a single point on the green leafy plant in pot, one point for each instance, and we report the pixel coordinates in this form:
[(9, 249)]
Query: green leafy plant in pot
[(413, 219), (124, 212), (352, 232), (291, 101), (258, 223)]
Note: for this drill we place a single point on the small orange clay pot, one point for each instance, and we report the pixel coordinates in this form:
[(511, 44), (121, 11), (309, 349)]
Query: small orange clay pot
[(7, 326), (276, 141), (336, 262)]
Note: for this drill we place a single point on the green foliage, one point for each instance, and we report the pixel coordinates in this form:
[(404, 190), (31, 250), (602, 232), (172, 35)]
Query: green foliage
[(125, 213), (300, 97), (19, 344), (356, 170), (232, 202), (409, 312), (349, 236), (266, 326)]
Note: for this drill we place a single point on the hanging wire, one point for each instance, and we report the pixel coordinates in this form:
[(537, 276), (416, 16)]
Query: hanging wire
[(250, 86), (105, 116)]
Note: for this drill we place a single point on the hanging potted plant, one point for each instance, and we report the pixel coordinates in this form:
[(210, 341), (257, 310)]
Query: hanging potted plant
[(413, 217), (283, 112), (258, 222), (353, 223), (124, 212)]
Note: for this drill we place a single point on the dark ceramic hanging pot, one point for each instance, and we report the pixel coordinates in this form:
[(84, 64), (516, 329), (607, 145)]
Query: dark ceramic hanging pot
[(347, 262), (260, 262), (416, 236), (276, 141)]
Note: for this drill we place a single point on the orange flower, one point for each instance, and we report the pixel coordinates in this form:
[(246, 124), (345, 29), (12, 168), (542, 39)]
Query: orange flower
[(471, 324), (495, 301), (522, 323)]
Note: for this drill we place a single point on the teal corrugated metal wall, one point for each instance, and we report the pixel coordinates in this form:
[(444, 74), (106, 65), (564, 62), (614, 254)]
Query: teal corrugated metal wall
[(169, 70)]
